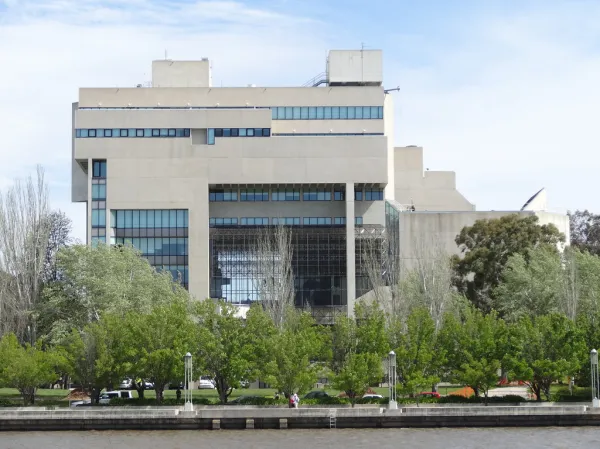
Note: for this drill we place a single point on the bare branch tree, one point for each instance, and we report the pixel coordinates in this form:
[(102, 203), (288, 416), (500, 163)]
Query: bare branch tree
[(24, 230), (430, 282), (274, 279), (59, 236)]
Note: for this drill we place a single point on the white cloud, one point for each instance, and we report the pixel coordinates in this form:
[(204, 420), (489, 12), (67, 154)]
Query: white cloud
[(512, 109)]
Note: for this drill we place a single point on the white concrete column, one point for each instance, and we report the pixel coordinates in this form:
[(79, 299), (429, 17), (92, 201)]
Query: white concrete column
[(350, 250)]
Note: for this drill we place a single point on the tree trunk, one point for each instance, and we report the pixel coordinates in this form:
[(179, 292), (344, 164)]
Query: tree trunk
[(159, 393), (140, 388), (28, 394)]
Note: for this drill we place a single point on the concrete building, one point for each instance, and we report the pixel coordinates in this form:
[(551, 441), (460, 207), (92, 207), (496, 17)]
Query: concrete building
[(191, 175)]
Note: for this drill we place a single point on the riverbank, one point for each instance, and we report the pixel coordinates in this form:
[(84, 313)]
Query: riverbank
[(143, 418)]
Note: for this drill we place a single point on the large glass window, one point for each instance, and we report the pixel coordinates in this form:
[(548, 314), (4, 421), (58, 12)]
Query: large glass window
[(254, 195), (339, 194), (316, 221), (98, 169), (316, 195), (218, 195), (255, 221), (373, 194), (358, 195), (218, 221), (327, 112), (285, 195), (286, 221)]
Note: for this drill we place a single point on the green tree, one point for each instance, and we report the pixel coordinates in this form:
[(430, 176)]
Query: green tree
[(224, 350), (532, 285), (358, 373), (486, 247), (419, 359), (585, 231), (105, 279), (549, 348), (297, 348), (475, 346), (157, 343), (26, 368)]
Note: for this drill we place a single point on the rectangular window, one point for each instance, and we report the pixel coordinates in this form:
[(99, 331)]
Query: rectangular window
[(186, 132), (250, 132), (98, 169), (304, 113), (100, 133), (358, 110), (164, 132), (296, 113), (77, 133), (91, 133), (266, 132), (218, 195), (258, 132), (288, 112), (84, 132), (327, 113), (131, 133), (316, 195), (254, 195), (226, 132), (374, 112), (312, 113), (143, 219), (358, 195), (273, 113), (380, 112), (335, 112), (136, 219), (339, 195), (108, 133), (343, 112), (242, 132), (373, 194), (366, 112), (180, 219), (319, 113), (351, 112), (172, 132), (218, 132), (179, 132), (235, 132), (155, 132), (210, 140), (139, 133), (280, 113), (285, 195), (340, 220), (358, 221)]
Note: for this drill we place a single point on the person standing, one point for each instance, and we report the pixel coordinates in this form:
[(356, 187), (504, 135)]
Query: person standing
[(291, 401), (296, 400)]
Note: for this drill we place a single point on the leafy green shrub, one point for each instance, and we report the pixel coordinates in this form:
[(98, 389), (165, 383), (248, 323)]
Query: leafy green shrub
[(580, 394), (328, 400), (455, 399)]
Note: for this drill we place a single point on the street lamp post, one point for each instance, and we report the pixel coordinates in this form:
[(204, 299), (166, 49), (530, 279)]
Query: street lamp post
[(188, 406), (393, 404), (595, 378)]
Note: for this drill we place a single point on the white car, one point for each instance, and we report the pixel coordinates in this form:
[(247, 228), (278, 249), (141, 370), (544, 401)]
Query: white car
[(108, 395), (372, 395), (206, 383)]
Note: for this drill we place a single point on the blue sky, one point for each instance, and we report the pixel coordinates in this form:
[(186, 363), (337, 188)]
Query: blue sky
[(502, 92)]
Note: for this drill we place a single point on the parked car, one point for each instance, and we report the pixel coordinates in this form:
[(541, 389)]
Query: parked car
[(430, 394), (126, 384), (372, 395), (317, 394), (148, 385), (108, 395), (83, 403), (206, 383)]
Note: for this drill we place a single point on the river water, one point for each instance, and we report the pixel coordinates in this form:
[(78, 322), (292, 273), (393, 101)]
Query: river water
[(496, 438)]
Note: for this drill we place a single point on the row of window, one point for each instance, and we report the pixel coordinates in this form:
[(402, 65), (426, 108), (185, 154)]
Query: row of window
[(327, 112), (287, 221), (133, 132), (230, 195), (151, 218), (157, 246), (236, 132)]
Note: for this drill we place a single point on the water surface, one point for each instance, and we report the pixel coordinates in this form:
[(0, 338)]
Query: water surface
[(496, 438)]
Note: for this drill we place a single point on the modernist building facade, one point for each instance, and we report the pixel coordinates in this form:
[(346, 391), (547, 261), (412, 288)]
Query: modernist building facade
[(191, 174)]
